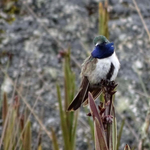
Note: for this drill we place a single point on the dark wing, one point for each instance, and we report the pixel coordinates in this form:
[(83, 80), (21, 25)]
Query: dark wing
[(95, 91), (80, 97)]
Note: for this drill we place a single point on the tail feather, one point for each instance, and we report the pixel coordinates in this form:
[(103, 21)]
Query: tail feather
[(79, 98), (76, 103)]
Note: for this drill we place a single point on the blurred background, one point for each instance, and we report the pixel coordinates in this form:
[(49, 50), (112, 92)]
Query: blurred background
[(32, 34)]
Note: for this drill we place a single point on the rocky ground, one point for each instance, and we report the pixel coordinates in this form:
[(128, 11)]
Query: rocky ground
[(34, 39)]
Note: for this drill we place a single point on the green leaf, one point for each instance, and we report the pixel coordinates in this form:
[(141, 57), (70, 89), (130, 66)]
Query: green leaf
[(27, 136), (9, 131), (39, 147), (120, 133), (90, 122), (4, 108), (103, 19), (68, 119), (114, 130), (54, 140), (63, 120), (74, 130)]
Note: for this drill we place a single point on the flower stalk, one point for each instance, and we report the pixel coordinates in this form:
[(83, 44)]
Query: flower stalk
[(103, 116)]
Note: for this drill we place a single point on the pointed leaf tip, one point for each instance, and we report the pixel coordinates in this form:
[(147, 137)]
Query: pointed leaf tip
[(127, 147), (93, 109)]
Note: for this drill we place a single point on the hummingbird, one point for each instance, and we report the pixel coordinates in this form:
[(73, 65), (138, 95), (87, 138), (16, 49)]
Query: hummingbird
[(102, 64)]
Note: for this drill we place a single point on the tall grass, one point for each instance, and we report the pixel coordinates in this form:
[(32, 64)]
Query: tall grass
[(16, 127), (68, 120), (103, 19)]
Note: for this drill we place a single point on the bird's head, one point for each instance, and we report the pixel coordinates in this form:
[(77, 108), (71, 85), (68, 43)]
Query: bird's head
[(100, 40), (103, 48)]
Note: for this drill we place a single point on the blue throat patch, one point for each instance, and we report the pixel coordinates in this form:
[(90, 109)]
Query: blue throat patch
[(103, 50)]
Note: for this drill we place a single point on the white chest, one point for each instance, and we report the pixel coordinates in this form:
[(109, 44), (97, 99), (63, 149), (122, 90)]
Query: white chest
[(102, 69)]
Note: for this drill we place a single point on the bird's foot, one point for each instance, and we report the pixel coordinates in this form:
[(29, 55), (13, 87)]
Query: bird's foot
[(108, 84)]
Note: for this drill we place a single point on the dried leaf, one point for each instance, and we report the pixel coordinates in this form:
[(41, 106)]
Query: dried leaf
[(100, 139), (94, 110)]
